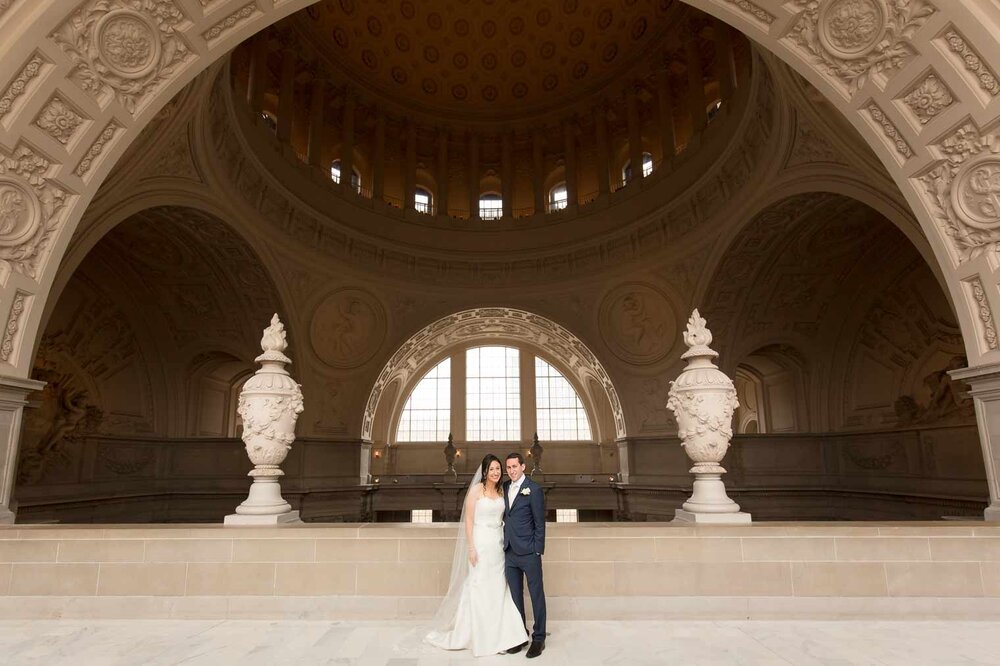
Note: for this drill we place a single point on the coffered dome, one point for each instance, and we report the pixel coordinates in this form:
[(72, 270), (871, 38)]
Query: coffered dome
[(488, 57)]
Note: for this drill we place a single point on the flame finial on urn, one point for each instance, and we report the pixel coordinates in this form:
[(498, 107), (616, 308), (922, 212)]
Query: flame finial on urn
[(274, 342), (698, 338)]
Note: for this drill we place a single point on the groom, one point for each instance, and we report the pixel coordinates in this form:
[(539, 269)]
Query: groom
[(523, 544)]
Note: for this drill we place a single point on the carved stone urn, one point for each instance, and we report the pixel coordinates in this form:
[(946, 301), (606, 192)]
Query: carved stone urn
[(703, 400), (270, 404)]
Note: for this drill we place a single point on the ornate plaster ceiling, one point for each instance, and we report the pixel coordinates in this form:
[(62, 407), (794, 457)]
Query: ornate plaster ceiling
[(201, 277), (492, 57)]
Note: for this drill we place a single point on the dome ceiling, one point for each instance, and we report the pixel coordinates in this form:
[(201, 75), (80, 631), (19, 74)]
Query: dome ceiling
[(489, 57)]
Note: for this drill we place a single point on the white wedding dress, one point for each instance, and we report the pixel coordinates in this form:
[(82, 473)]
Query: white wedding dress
[(487, 620)]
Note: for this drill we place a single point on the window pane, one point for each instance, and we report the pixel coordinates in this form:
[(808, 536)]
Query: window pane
[(647, 164), (422, 201), (490, 207), (493, 394), (560, 413), (426, 416), (558, 197)]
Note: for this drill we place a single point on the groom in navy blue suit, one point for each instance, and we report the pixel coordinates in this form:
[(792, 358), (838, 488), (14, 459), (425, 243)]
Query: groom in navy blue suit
[(523, 545)]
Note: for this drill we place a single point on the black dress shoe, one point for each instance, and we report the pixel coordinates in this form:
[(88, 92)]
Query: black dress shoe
[(535, 649), (517, 648)]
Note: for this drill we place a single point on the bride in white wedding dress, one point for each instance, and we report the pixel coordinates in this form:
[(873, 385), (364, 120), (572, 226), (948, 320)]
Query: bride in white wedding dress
[(478, 612)]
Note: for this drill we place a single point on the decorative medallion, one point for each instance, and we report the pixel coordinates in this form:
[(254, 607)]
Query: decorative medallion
[(853, 39), (122, 46), (638, 323), (20, 213), (127, 43), (976, 193), (850, 29), (29, 209), (347, 328)]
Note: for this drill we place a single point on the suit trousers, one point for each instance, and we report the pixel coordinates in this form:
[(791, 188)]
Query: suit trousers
[(519, 567)]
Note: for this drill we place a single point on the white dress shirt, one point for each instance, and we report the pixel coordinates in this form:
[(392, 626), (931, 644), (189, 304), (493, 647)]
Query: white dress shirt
[(515, 487)]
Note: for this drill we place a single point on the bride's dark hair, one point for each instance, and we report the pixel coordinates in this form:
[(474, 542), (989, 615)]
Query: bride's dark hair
[(487, 461)]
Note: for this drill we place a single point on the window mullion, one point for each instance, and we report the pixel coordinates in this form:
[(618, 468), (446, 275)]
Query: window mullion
[(529, 421), (458, 397)]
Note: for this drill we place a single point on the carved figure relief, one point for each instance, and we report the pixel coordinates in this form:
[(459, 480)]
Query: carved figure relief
[(347, 328), (637, 323), (947, 399), (65, 413)]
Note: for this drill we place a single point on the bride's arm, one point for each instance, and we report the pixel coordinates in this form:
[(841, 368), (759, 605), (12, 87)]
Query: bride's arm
[(470, 520)]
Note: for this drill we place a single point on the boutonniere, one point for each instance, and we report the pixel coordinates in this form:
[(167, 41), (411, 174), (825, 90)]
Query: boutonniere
[(526, 491)]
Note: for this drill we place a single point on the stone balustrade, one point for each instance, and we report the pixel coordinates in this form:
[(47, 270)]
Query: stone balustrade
[(592, 571)]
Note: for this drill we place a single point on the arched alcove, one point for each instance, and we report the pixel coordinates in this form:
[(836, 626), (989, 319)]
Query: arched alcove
[(144, 352)]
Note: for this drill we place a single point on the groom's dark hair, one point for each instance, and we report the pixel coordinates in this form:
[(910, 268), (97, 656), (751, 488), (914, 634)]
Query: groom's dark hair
[(515, 454)]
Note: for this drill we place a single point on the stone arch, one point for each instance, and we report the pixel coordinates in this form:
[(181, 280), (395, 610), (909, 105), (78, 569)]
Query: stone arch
[(195, 291), (429, 345), (153, 195), (911, 51)]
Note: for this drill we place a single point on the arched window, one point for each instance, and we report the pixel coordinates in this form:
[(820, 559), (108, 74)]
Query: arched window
[(558, 197), (423, 202), (490, 400), (647, 168), (560, 413), (490, 206), (426, 416), (355, 176)]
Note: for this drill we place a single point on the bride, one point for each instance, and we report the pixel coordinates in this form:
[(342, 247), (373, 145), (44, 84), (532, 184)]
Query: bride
[(478, 611)]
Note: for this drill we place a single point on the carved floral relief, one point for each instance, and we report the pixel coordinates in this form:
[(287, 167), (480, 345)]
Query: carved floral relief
[(123, 47), (29, 210), (965, 188), (852, 39)]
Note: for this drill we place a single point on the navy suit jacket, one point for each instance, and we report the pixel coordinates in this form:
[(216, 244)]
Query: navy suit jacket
[(524, 521)]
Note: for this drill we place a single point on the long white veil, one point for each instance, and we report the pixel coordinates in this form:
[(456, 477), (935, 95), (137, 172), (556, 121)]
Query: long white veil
[(444, 619)]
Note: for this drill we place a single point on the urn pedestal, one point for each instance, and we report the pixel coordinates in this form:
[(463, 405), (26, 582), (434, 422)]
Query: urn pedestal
[(270, 404), (703, 399)]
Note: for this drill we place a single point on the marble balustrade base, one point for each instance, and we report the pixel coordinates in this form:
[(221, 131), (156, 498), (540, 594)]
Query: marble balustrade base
[(593, 571)]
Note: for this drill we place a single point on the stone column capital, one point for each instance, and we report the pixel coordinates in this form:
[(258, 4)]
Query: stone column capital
[(16, 389)]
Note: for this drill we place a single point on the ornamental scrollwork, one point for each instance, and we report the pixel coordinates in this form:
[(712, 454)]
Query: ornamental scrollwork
[(965, 189), (29, 209), (852, 39), (125, 47)]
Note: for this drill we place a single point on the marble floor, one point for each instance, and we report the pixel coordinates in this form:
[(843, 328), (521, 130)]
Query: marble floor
[(247, 643)]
